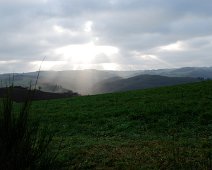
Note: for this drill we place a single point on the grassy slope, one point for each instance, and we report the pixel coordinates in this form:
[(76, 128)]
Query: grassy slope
[(162, 128)]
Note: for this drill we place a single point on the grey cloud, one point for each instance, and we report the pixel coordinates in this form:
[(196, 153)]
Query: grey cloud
[(26, 29)]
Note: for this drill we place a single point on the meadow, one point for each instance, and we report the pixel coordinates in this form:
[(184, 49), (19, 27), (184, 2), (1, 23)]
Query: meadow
[(160, 128)]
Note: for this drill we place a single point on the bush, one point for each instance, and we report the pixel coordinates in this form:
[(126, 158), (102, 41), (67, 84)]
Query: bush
[(205, 118), (23, 143)]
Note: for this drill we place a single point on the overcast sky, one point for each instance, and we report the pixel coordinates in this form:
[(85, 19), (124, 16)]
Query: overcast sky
[(104, 34)]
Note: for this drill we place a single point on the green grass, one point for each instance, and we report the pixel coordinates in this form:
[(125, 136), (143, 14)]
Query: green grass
[(162, 128)]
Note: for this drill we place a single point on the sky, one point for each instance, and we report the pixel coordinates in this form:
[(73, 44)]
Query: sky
[(104, 34)]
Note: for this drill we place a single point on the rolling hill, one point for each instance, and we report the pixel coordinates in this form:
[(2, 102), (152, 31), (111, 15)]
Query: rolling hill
[(89, 81), (139, 82), (159, 128), (19, 94)]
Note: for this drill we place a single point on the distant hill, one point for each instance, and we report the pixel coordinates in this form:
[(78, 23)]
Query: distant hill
[(204, 72), (80, 81), (139, 82), (89, 81)]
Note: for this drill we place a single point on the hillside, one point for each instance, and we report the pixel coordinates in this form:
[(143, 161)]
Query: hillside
[(87, 81), (160, 128), (80, 81), (139, 82), (19, 94), (195, 72)]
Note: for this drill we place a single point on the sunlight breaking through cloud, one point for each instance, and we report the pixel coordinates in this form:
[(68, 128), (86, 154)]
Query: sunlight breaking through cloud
[(151, 59), (88, 26), (84, 53), (177, 32)]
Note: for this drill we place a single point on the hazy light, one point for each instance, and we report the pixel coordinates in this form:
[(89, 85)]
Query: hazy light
[(48, 65), (58, 29), (88, 26), (84, 53), (152, 58), (110, 66), (8, 62), (178, 46), (147, 57), (61, 30)]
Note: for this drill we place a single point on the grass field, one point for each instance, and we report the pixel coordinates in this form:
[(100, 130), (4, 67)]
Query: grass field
[(162, 128)]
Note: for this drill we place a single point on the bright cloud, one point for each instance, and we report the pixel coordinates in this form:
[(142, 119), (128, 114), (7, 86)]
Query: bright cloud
[(178, 46), (79, 34), (84, 53), (88, 26)]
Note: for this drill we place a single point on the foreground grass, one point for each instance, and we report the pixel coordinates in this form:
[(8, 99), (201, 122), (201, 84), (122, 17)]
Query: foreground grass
[(162, 128)]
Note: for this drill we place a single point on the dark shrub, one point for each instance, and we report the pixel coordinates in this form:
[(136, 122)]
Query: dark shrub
[(205, 118), (23, 144)]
